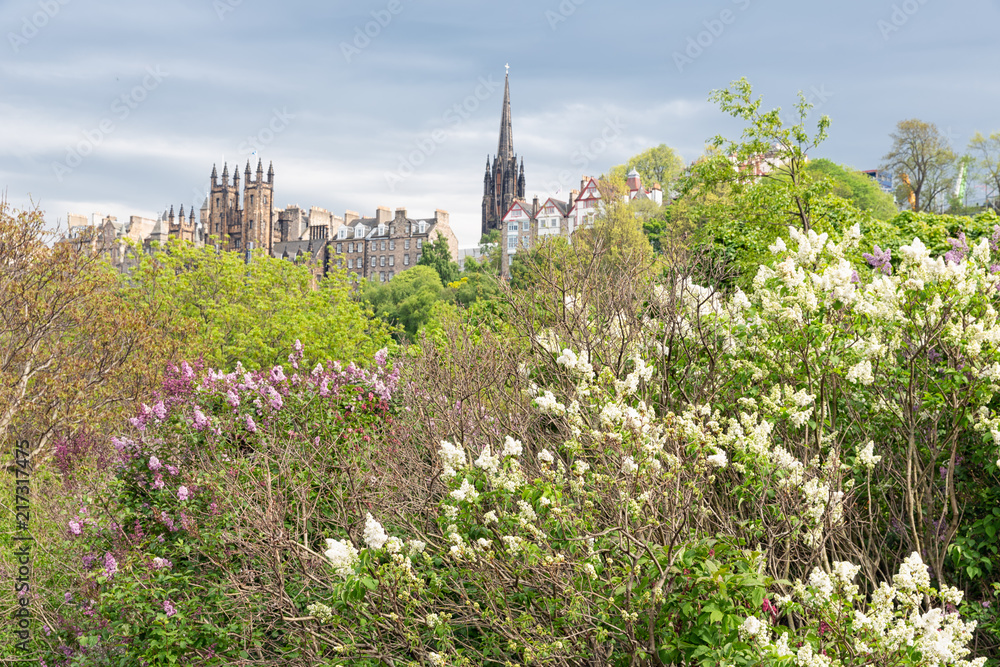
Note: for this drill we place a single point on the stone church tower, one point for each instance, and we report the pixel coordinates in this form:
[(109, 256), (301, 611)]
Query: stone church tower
[(235, 224), (503, 182)]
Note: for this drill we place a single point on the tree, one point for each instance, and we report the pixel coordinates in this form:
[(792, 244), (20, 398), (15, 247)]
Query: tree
[(767, 152), (659, 164), (228, 310), (986, 164), (75, 349), (854, 186), (437, 255), (924, 156), (407, 300)]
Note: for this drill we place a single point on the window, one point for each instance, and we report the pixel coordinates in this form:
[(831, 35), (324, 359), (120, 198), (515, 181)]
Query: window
[(423, 227), (392, 260), (392, 230), (373, 246), (511, 242), (392, 245), (420, 244), (251, 200), (381, 260), (217, 202), (265, 200), (390, 275), (350, 263), (342, 234), (251, 224), (340, 248), (419, 255), (406, 260), (237, 242), (383, 245), (512, 226), (406, 244), (374, 261), (381, 276)]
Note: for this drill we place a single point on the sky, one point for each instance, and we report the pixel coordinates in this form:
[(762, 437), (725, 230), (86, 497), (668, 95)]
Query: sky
[(123, 107)]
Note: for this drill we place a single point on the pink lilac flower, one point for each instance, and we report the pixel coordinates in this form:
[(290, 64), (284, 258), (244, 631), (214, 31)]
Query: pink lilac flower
[(74, 527), (381, 356), (182, 493), (251, 425), (275, 397), (186, 371), (67, 596), (168, 607), (200, 420), (110, 565), (173, 470), (233, 398), (277, 374), (154, 463), (158, 482), (160, 411), (161, 563)]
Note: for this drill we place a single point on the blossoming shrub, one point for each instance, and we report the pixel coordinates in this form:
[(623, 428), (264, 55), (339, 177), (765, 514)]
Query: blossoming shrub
[(173, 561)]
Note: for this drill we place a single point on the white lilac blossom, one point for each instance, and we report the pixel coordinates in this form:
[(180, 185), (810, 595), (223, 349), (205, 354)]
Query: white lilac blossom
[(545, 456), (718, 459), (374, 535), (452, 457), (867, 457), (487, 461), (342, 556), (511, 447), (466, 492)]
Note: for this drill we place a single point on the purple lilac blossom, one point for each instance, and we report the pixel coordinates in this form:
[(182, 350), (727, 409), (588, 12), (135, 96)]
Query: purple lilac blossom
[(168, 607), (959, 249), (110, 565), (183, 493), (251, 425), (154, 463), (879, 259)]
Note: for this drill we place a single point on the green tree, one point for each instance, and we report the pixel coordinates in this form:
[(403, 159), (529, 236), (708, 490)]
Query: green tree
[(218, 305), (854, 186), (407, 300), (986, 161), (659, 164), (437, 255), (921, 153)]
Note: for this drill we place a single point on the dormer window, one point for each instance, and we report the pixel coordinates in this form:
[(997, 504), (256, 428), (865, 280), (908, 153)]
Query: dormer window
[(381, 230), (342, 234), (423, 227)]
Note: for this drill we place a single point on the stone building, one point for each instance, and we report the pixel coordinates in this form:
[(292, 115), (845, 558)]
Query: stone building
[(237, 223), (503, 182)]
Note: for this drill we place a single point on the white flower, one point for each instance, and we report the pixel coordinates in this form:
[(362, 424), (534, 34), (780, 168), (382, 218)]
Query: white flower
[(394, 545), (452, 459), (374, 535), (867, 456), (629, 466), (861, 372), (487, 461), (821, 581), (718, 459), (342, 555), (511, 447), (465, 492), (490, 517), (416, 546), (545, 456)]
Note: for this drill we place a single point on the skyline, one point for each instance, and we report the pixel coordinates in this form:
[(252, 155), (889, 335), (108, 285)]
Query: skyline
[(394, 103)]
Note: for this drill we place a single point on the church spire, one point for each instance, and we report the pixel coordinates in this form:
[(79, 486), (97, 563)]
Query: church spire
[(505, 149)]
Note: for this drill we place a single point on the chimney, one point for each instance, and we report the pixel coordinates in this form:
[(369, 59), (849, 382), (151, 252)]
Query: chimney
[(350, 216), (382, 215), (573, 194), (583, 183), (401, 214), (441, 217), (534, 206)]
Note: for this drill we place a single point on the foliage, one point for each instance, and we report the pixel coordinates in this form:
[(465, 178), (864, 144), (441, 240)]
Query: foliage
[(855, 187), (406, 300), (437, 255), (74, 348), (659, 164), (228, 310), (924, 155)]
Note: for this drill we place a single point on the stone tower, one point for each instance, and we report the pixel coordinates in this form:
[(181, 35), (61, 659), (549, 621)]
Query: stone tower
[(503, 182), (232, 223)]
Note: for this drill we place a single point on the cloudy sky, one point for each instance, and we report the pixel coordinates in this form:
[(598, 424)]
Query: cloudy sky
[(123, 107)]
